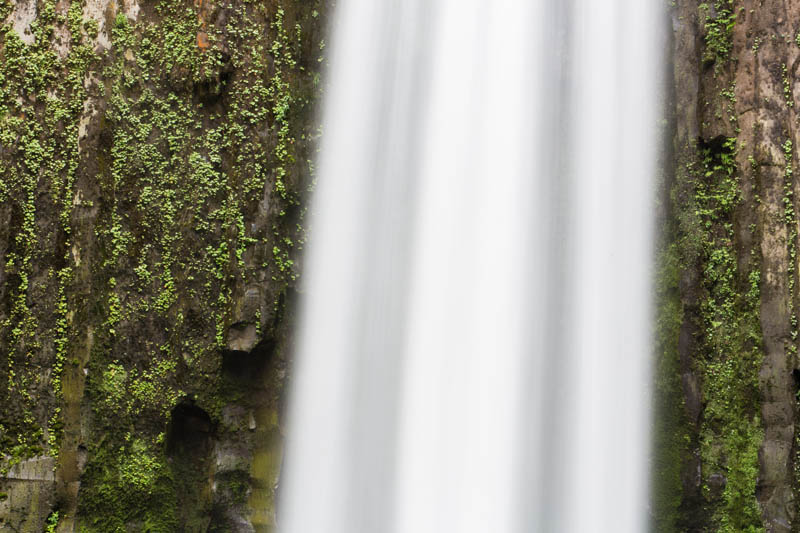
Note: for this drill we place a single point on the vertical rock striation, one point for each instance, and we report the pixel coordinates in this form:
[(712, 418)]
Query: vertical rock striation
[(729, 270), (154, 160)]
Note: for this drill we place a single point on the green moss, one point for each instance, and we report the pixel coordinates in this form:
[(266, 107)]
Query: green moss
[(128, 480), (718, 19), (41, 101), (125, 258), (670, 433), (787, 86), (52, 523), (731, 429), (725, 357)]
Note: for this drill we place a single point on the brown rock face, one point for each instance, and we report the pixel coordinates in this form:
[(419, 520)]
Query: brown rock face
[(154, 162), (765, 68), (733, 202)]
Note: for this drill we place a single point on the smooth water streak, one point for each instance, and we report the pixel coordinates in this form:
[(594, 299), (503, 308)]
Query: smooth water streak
[(474, 344)]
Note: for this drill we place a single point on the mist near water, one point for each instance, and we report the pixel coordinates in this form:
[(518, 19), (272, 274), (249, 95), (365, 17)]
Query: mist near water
[(474, 348)]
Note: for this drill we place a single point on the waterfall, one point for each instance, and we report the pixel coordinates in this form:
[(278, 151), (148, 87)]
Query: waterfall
[(473, 354)]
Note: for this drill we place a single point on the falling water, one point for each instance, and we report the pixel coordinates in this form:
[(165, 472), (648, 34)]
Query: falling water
[(474, 344)]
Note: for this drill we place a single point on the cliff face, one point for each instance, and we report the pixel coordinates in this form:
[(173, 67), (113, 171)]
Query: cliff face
[(154, 158), (727, 324)]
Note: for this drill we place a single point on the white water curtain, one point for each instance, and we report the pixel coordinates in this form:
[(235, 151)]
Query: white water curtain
[(474, 345)]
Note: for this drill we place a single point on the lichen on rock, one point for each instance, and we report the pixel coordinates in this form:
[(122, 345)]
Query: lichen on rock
[(154, 158)]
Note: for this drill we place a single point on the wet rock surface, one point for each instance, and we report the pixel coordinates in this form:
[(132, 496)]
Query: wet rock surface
[(732, 200), (154, 164)]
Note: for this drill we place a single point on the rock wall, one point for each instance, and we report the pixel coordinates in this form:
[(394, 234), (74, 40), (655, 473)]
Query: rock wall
[(727, 373), (154, 160)]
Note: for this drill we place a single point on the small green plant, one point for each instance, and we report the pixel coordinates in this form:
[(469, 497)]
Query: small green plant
[(52, 523), (719, 22), (731, 430), (787, 87)]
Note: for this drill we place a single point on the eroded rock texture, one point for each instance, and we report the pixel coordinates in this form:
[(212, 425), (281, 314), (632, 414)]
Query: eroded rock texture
[(154, 158), (728, 281)]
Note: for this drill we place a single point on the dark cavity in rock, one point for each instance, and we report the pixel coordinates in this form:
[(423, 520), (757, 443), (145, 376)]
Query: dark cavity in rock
[(248, 365), (190, 431)]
